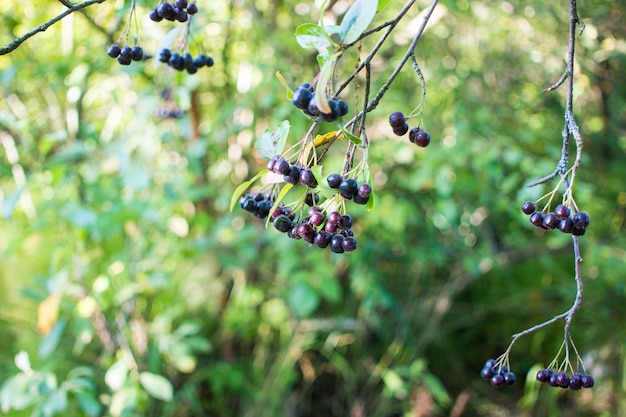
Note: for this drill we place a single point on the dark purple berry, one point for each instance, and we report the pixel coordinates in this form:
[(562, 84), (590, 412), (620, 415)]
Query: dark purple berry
[(566, 225), (561, 212), (192, 9), (487, 372), (581, 220), (509, 378), (497, 380), (165, 55), (578, 232), (307, 178), (301, 97), (360, 200), (305, 230), (154, 15), (349, 244), (345, 222), (181, 4), (271, 164), (282, 167), (562, 380), (311, 199), (550, 221), (137, 54), (336, 244), (348, 188), (334, 217), (247, 203), (543, 375), (528, 207), (343, 108), (316, 218), (401, 131), (166, 11), (331, 227), (312, 108), (576, 382), (293, 176), (334, 111), (334, 180), (114, 50), (419, 137), (364, 190), (552, 380), (188, 60), (282, 223), (126, 52), (124, 61), (490, 363), (587, 381), (397, 120), (322, 239), (536, 219), (181, 15)]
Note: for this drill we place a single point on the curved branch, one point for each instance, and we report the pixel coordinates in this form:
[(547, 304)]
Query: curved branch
[(15, 43)]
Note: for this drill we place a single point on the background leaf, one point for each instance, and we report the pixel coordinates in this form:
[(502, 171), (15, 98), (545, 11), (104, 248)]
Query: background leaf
[(357, 19), (157, 386)]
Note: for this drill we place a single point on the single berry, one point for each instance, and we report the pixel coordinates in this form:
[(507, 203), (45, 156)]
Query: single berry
[(282, 223), (192, 9), (334, 217), (302, 96), (336, 244), (293, 176), (181, 15), (311, 199), (566, 225), (536, 219), (587, 381), (543, 375), (322, 239), (348, 188), (490, 363), (528, 207), (562, 380), (124, 61), (137, 54), (114, 50), (165, 55), (509, 378), (349, 244), (419, 137), (576, 382), (365, 190), (312, 108), (497, 380), (397, 120), (578, 232), (154, 15), (550, 221), (581, 220), (401, 131), (343, 108), (561, 212), (305, 230), (126, 52), (271, 164), (282, 167), (307, 178), (487, 372), (334, 112), (331, 227), (316, 218), (552, 380), (345, 222), (334, 180), (166, 11), (188, 60), (247, 203), (360, 200), (181, 4)]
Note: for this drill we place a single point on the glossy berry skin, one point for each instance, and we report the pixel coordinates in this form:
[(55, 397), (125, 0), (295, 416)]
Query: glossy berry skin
[(497, 380), (316, 218), (293, 176), (536, 219), (343, 108), (336, 244), (123, 61), (312, 108), (581, 220), (487, 372), (562, 380), (509, 378), (528, 207), (301, 97), (137, 54), (126, 52), (348, 188), (490, 363), (349, 244), (550, 221), (282, 223), (307, 178), (181, 4), (419, 137), (566, 225), (334, 180), (334, 112), (401, 131), (192, 9), (166, 11), (561, 212), (165, 55), (543, 375), (397, 120), (114, 51), (334, 217), (576, 382), (578, 232), (587, 381), (282, 167), (180, 15), (345, 222), (322, 239), (155, 16)]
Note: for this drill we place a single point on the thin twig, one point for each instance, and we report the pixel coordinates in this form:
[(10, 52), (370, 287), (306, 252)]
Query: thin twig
[(557, 84), (15, 43)]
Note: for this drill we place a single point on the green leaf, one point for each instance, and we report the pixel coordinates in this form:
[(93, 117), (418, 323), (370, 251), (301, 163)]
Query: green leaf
[(88, 403), (51, 341), (157, 386), (357, 19), (282, 82), (303, 300), (326, 73), (279, 197), (272, 143), (310, 35), (9, 203), (57, 402), (356, 140), (436, 388), (243, 187), (382, 5), (115, 376)]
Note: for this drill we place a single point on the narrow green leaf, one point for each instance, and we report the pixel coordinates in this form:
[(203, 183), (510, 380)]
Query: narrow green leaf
[(279, 197), (357, 19), (282, 82), (243, 187), (51, 341), (9, 203), (322, 10), (157, 386), (356, 140), (326, 73), (272, 143), (310, 35)]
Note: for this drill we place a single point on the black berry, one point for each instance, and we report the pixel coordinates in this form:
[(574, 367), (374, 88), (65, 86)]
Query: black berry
[(166, 11), (155, 16), (587, 381), (419, 137), (509, 378), (282, 167), (192, 9), (561, 212), (581, 220), (536, 219), (114, 50), (566, 225), (397, 120), (282, 223), (550, 221), (528, 207), (343, 108), (137, 53), (336, 244), (334, 180), (348, 188), (497, 380), (349, 244), (293, 176), (401, 131), (307, 178), (301, 97), (322, 239)]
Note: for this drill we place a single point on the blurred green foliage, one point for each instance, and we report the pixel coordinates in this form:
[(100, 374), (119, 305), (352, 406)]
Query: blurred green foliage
[(129, 289)]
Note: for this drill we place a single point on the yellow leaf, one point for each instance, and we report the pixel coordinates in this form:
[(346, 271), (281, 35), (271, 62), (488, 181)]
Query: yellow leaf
[(321, 140), (48, 312)]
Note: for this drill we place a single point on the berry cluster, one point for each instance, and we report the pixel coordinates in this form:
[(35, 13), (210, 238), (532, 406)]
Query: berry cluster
[(417, 135), (560, 219), (125, 55), (185, 61), (349, 188), (304, 99), (292, 174), (497, 375), (333, 230), (177, 11), (561, 379)]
